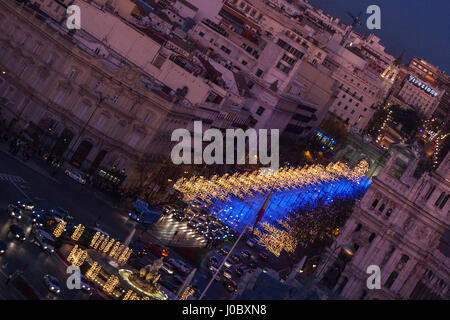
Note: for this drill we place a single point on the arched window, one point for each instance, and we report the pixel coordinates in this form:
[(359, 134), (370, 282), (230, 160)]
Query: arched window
[(372, 236), (358, 227), (381, 209)]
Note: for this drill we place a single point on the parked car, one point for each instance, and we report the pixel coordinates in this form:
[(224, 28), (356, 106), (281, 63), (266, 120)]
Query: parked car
[(253, 264), (26, 205), (3, 247), (240, 270), (214, 259), (263, 255), (228, 263), (224, 251), (230, 285), (14, 211), (236, 257), (251, 242), (228, 273), (76, 175), (17, 232), (52, 284), (246, 254)]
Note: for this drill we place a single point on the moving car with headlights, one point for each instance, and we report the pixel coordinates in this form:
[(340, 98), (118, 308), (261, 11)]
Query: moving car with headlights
[(14, 211), (246, 254), (76, 175), (44, 240), (52, 284), (59, 214), (26, 205), (167, 268), (3, 247), (135, 215), (17, 232), (84, 284), (180, 266)]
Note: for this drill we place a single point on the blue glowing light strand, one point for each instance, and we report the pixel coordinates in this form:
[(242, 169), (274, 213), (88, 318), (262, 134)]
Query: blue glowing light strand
[(282, 202)]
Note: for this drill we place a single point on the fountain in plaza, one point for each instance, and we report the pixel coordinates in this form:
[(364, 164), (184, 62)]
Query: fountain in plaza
[(146, 280)]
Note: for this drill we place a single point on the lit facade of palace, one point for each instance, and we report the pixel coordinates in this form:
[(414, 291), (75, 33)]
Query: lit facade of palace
[(400, 225), (96, 105)]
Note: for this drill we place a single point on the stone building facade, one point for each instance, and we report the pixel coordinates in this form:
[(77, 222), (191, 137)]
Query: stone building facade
[(400, 225)]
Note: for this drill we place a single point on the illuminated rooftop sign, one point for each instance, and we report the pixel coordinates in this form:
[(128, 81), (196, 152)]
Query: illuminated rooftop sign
[(422, 85)]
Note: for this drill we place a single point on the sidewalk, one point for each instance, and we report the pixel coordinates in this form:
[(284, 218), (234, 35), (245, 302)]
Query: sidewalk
[(30, 163), (41, 167)]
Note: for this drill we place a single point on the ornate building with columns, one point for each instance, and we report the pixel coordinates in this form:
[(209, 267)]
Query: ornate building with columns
[(400, 225), (89, 105)]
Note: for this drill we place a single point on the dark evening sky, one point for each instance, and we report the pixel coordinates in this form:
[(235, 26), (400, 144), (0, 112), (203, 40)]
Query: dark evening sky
[(420, 27)]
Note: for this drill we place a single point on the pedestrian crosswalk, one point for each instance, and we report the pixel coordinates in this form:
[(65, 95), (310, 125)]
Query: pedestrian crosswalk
[(11, 178)]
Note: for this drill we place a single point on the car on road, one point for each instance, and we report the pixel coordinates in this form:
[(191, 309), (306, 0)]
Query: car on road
[(251, 242), (246, 254), (135, 215), (76, 175), (26, 205), (40, 221), (194, 223), (17, 232), (236, 257), (212, 272), (44, 240), (224, 251), (209, 236), (180, 266), (252, 264), (52, 284), (85, 285), (228, 273), (159, 251), (228, 263), (263, 255), (59, 214), (230, 285), (240, 270), (167, 268), (14, 211), (214, 259), (138, 248), (201, 229), (3, 247)]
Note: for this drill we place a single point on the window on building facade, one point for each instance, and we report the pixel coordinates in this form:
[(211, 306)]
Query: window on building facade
[(429, 192), (381, 209), (374, 204), (358, 227), (260, 111), (391, 279), (133, 140), (372, 236), (388, 212), (100, 122), (442, 200), (283, 68), (259, 73)]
